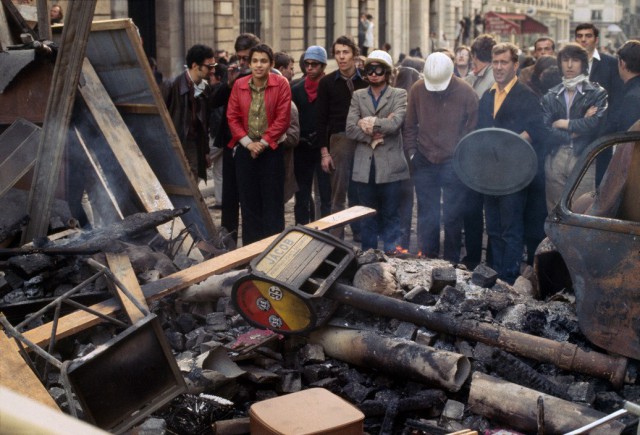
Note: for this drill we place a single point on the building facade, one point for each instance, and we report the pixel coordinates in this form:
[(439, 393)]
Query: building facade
[(169, 27)]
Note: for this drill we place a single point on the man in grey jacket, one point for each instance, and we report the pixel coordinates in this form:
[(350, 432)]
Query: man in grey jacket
[(375, 121), (574, 111)]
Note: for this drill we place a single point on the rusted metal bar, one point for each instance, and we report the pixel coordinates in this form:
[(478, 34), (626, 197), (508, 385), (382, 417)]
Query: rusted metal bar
[(13, 332), (564, 355)]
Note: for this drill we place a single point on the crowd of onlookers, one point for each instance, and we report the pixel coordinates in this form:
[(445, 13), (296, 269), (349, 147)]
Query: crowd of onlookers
[(379, 134)]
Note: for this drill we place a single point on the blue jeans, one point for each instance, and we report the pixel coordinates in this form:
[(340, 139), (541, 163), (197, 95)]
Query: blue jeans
[(505, 228), (385, 199), (433, 181)]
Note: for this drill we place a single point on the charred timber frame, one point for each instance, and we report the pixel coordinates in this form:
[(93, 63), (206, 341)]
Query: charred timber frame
[(66, 77)]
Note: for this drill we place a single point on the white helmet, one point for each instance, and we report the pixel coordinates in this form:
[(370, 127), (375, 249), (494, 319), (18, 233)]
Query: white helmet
[(380, 56), (438, 70)]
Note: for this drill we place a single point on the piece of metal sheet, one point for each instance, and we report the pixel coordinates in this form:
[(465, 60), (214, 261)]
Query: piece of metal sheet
[(128, 378), (602, 254), (495, 161), (11, 63)]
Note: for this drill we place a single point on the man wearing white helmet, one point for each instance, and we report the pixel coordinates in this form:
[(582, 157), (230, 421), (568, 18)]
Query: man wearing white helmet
[(441, 110), (375, 121)]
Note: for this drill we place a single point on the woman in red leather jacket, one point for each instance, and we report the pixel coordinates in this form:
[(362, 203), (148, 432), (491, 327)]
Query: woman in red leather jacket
[(259, 114)]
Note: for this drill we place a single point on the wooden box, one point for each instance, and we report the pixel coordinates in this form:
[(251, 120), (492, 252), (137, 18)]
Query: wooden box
[(312, 411)]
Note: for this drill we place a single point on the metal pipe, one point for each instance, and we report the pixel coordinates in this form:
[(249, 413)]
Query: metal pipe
[(13, 332), (104, 269), (395, 355), (600, 422), (564, 355)]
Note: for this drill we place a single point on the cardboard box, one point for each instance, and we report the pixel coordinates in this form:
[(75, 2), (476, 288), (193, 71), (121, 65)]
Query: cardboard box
[(312, 411)]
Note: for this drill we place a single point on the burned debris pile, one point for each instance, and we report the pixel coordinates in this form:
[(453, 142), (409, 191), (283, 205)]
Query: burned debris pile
[(404, 377)]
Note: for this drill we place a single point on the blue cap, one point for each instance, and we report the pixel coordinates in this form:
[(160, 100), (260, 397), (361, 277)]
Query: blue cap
[(315, 52)]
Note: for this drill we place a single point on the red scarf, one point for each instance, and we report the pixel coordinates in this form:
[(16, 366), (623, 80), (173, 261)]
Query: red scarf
[(311, 88)]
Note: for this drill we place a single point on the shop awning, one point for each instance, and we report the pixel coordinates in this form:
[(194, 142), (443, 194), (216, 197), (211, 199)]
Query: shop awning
[(513, 24)]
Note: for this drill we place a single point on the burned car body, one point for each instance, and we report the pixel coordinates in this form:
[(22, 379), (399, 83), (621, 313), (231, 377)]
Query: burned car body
[(599, 241)]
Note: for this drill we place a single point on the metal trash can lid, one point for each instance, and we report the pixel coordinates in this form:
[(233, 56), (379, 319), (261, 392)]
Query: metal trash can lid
[(495, 161)]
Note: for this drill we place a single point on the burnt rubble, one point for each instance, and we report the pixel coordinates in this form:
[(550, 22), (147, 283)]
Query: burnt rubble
[(228, 365)]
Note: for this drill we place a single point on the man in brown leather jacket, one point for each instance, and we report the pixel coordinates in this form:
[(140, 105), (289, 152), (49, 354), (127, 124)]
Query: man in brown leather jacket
[(186, 97)]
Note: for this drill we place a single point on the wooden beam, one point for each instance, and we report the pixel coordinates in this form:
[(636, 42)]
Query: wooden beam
[(19, 414), (121, 267), (99, 177), (66, 76), (19, 162), (18, 19), (126, 150), (81, 320), (17, 376), (172, 189), (5, 36), (140, 109), (44, 22)]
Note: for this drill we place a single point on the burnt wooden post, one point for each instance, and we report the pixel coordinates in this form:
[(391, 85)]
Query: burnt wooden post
[(44, 24), (58, 114)]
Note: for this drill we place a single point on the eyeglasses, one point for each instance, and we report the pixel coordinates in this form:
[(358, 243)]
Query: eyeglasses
[(378, 70), (244, 58), (311, 64), (210, 66)]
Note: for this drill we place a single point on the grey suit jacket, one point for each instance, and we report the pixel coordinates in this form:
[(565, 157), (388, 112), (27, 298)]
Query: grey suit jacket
[(390, 162)]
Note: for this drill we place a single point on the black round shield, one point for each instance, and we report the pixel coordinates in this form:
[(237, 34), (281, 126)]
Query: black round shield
[(495, 161)]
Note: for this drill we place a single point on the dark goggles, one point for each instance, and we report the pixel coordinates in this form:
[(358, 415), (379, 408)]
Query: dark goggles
[(378, 70)]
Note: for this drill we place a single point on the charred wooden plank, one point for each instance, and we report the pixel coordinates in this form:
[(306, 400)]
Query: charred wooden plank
[(66, 77), (81, 320), (17, 376)]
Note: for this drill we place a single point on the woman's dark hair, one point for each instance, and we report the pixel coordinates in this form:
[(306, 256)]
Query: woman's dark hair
[(246, 41), (549, 78), (482, 46), (541, 66), (406, 77), (262, 48), (416, 63)]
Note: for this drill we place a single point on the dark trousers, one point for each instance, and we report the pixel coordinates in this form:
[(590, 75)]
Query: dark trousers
[(473, 227), (505, 228), (323, 181), (385, 199), (342, 152), (535, 213), (433, 181), (261, 191), (305, 162), (230, 199), (406, 212)]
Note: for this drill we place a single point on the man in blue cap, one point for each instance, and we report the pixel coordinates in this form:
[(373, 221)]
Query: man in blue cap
[(307, 153)]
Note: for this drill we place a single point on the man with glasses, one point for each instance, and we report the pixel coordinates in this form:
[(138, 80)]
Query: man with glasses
[(240, 68), (186, 98), (336, 149), (442, 109), (375, 121), (306, 156)]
